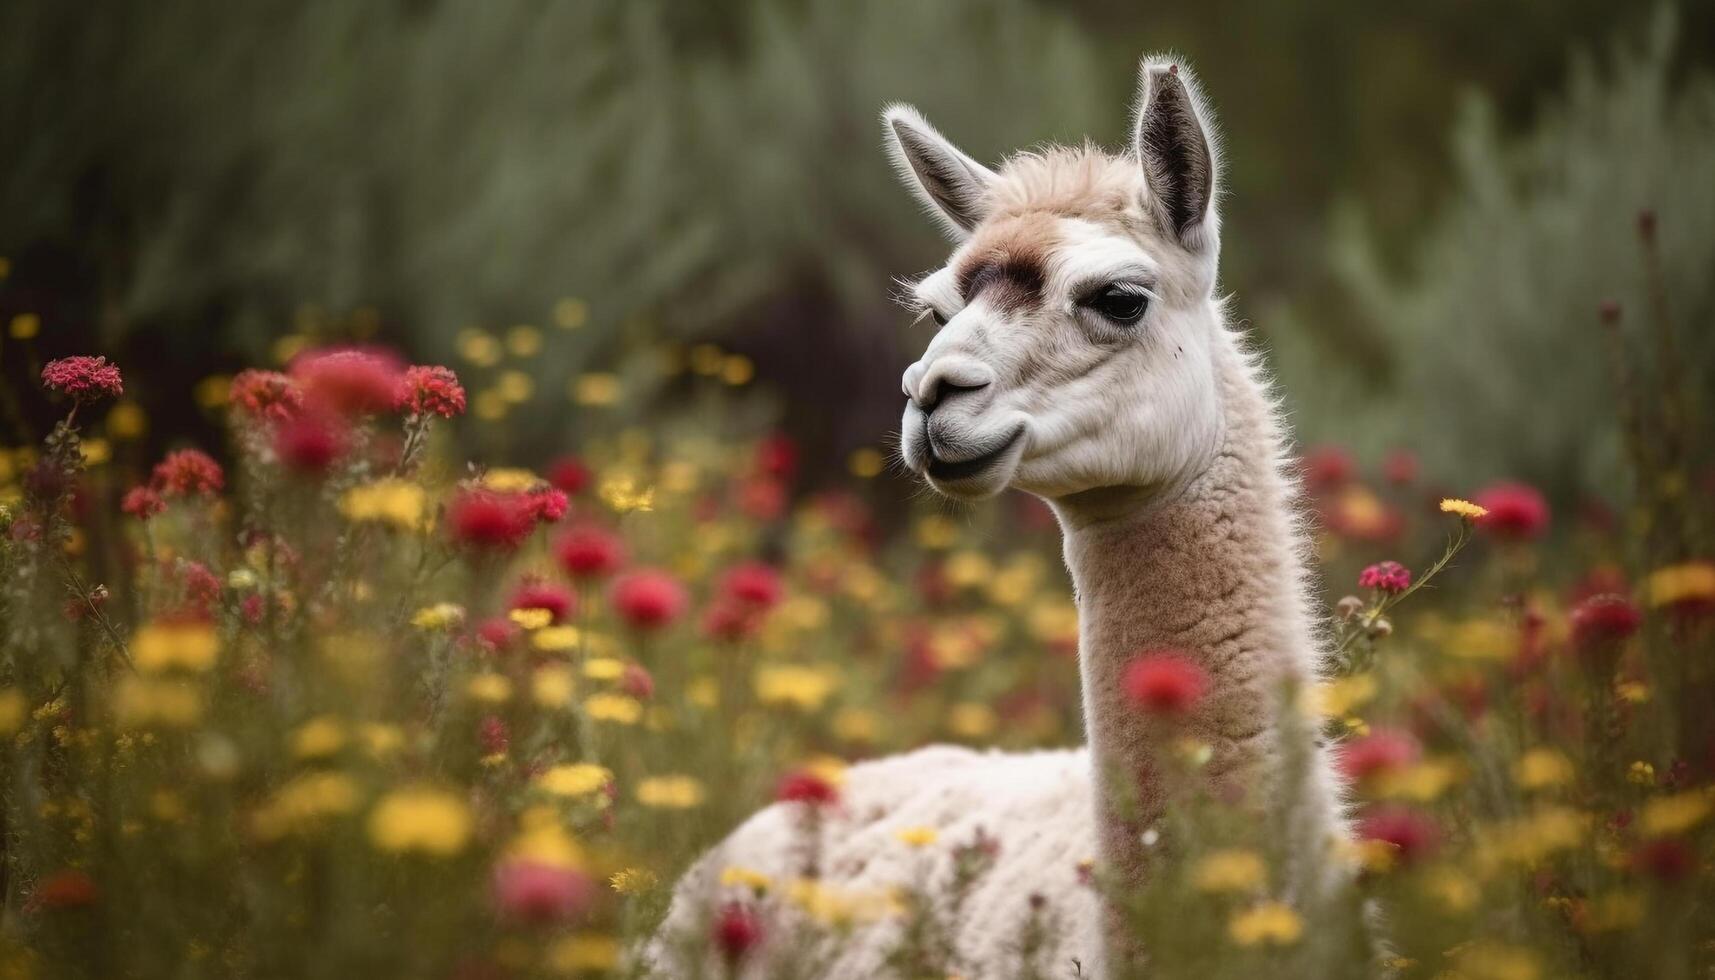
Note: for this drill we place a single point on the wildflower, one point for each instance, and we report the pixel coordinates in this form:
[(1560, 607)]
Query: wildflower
[(1423, 782), (556, 600), (187, 473), (1273, 923), (494, 737), (310, 442), (632, 881), (318, 738), (142, 503), (539, 894), (809, 788), (547, 504), (604, 668), (1541, 768), (350, 381), (1611, 912), (543, 840), (1686, 587), (1666, 815), (1389, 576), (917, 837), (1411, 834), (1463, 508), (584, 952), (489, 688), (1489, 960), (1400, 467), (1604, 619), (14, 709), (84, 379), (492, 521), (648, 599), (734, 876), (165, 644), (804, 688), (637, 682), (1640, 773), (431, 390), (972, 720), (1230, 870), (400, 503), (736, 931), (148, 702), (547, 638), (552, 687), (753, 584), (1338, 697), (420, 819), (266, 396), (673, 792), (531, 619), (1328, 467), (1666, 858), (569, 474), (573, 779), (616, 708), (1165, 683), (1383, 750), (67, 889), (1513, 511), (440, 616)]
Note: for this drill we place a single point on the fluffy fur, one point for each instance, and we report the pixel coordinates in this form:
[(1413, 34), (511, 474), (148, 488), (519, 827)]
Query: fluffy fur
[(1161, 451)]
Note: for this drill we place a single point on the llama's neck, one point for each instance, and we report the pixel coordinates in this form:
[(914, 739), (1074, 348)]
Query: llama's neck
[(1214, 570)]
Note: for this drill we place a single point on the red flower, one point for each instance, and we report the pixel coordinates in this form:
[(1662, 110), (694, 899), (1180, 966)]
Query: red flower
[(67, 889), (351, 381), (540, 894), (1327, 467), (557, 600), (1165, 682), (804, 786), (84, 378), (1665, 858), (1515, 511), (1400, 468), (486, 519), (311, 442), (549, 504), (729, 620), (431, 389), (497, 633), (753, 584), (267, 396), (777, 455), (737, 931), (589, 551), (569, 474), (1604, 619), (1412, 834), (202, 587), (189, 472), (648, 599), (762, 498), (1383, 750), (142, 503), (637, 682), (494, 735), (1388, 576)]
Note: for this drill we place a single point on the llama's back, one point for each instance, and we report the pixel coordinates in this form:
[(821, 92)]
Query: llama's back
[(1034, 806)]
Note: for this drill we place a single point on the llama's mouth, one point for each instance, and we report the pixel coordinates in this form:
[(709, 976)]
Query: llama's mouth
[(943, 471)]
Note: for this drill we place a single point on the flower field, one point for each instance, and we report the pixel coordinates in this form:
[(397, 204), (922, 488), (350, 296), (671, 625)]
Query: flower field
[(329, 700)]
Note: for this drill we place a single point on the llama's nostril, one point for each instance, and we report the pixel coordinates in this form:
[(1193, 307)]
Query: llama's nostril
[(943, 381)]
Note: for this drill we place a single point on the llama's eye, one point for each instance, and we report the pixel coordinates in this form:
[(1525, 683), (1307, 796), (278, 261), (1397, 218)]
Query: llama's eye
[(940, 321), (1124, 306)]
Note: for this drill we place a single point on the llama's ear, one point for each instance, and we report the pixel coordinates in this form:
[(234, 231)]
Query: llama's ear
[(1175, 139), (952, 186)]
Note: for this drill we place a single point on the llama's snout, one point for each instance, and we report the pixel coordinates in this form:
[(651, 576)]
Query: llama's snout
[(930, 382)]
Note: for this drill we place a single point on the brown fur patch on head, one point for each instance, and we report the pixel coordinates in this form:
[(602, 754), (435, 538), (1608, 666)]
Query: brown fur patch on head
[(1007, 260), (1083, 182)]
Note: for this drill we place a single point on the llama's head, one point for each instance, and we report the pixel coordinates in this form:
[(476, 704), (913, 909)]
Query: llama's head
[(1077, 313)]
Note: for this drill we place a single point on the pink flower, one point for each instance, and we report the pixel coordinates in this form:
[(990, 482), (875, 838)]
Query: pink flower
[(489, 520), (1388, 576), (267, 396), (189, 472), (431, 389), (352, 380), (1604, 619), (730, 620), (804, 786), (311, 442), (1165, 682), (569, 474), (753, 584), (557, 600), (1412, 835), (777, 456), (1400, 467), (536, 893), (142, 503), (737, 930), (589, 551), (648, 599), (1327, 467), (549, 504), (495, 737), (84, 378), (1383, 750), (637, 682), (497, 633), (1515, 511)]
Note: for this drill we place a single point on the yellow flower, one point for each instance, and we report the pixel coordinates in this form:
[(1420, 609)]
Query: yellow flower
[(478, 347), (571, 313), (734, 876), (25, 326), (420, 819), (440, 616), (584, 952), (1640, 773), (524, 341), (918, 837), (541, 839), (147, 702), (159, 646), (1531, 838), (632, 881), (616, 708), (95, 451), (604, 669), (1232, 870), (1483, 639), (1453, 889), (972, 720), (531, 619), (127, 421), (935, 532), (865, 463), (301, 804), (574, 779), (399, 503), (1336, 698), (855, 725), (804, 688), (1613, 912), (213, 391), (14, 709), (1541, 768), (595, 389), (670, 792), (1665, 815), (510, 479), (381, 740), (1273, 923), (1463, 508), (624, 494), (552, 687), (1488, 960), (318, 738), (1685, 582), (489, 687), (554, 639), (1423, 782)]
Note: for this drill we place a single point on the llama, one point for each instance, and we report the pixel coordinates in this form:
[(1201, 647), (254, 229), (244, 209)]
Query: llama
[(1083, 357)]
